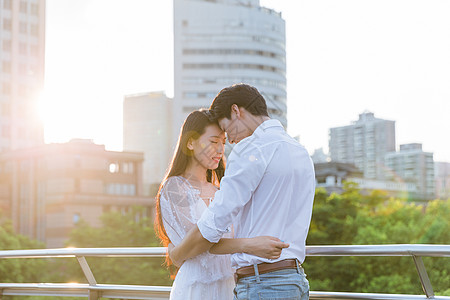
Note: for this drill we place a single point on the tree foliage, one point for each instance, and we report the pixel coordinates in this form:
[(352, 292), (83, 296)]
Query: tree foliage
[(117, 230), (352, 218), (18, 270)]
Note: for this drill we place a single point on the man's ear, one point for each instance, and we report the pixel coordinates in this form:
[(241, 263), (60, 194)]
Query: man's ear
[(235, 110), (189, 144)]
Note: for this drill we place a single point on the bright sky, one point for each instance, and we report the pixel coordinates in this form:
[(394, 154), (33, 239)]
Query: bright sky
[(391, 57)]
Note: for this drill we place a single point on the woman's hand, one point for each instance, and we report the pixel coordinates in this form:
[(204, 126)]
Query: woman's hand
[(172, 255), (265, 246)]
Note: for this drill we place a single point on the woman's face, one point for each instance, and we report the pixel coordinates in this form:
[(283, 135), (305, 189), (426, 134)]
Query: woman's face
[(208, 149)]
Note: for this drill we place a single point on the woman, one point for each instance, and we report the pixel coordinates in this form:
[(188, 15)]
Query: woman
[(193, 177)]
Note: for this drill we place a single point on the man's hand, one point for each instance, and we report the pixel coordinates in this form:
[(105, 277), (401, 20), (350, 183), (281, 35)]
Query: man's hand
[(265, 246)]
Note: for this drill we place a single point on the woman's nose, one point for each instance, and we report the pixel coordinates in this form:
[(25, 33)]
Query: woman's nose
[(220, 148)]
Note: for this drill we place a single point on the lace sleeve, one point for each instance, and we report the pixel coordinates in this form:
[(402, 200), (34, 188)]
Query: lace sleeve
[(178, 211)]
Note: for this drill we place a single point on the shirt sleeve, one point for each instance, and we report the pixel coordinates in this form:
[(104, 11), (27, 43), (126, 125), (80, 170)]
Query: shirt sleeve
[(244, 172), (177, 209)]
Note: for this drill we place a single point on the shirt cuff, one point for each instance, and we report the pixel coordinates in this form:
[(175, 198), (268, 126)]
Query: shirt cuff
[(208, 228)]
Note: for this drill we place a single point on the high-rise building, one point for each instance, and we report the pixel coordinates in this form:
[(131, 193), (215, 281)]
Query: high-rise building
[(222, 42), (442, 180), (46, 190), (147, 120), (22, 44), (364, 144), (412, 164)]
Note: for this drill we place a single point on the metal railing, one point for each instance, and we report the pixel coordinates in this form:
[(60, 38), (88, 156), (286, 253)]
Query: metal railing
[(94, 290)]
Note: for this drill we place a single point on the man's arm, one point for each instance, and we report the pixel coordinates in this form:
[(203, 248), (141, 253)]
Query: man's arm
[(262, 246), (192, 245)]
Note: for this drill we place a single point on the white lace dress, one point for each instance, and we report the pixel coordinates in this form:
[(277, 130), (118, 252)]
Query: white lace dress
[(206, 276)]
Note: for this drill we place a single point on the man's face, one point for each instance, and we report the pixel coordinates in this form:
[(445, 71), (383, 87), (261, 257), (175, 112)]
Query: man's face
[(235, 129)]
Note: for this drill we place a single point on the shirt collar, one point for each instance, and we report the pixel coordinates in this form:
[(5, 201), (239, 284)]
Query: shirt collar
[(267, 124)]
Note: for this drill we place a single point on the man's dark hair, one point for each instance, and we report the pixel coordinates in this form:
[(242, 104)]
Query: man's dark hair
[(243, 95)]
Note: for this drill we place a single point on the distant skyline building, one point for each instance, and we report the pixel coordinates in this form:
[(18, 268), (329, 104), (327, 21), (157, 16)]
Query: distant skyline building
[(46, 190), (22, 51), (412, 164), (223, 42), (442, 180), (147, 128), (364, 144), (332, 175), (319, 156)]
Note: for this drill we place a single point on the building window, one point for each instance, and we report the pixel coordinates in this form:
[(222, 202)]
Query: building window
[(128, 168), (23, 48), (6, 89), (23, 28), (7, 4), (114, 167), (7, 45), (34, 9), (6, 67), (7, 25), (77, 186), (6, 131), (34, 50), (34, 30), (22, 69), (6, 109), (76, 218), (121, 189), (23, 7)]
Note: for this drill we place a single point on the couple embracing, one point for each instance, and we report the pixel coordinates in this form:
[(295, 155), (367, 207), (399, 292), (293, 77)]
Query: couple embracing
[(236, 232)]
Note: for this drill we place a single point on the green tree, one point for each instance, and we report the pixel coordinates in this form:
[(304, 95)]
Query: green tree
[(18, 270), (117, 230), (354, 218)]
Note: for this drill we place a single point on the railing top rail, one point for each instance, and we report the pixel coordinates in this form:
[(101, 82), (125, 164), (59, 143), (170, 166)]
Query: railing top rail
[(380, 250), (73, 252), (354, 250)]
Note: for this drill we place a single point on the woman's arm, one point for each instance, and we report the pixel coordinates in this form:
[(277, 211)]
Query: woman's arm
[(262, 246)]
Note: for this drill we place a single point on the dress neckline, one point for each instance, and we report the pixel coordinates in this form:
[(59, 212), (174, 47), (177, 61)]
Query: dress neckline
[(209, 199)]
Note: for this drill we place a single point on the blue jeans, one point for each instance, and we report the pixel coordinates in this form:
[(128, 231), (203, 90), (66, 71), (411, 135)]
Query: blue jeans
[(287, 284)]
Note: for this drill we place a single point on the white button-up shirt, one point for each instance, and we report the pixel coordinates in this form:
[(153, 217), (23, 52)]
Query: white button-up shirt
[(268, 189)]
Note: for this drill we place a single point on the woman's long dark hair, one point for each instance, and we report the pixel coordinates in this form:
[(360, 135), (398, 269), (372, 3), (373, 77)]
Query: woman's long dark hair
[(193, 127)]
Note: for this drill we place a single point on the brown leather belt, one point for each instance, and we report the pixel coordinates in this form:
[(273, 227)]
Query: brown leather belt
[(267, 267)]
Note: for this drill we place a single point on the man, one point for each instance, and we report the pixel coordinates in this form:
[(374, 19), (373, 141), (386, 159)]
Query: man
[(268, 189)]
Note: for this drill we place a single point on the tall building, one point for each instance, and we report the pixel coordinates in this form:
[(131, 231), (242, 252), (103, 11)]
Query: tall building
[(22, 39), (412, 164), (442, 180), (46, 190), (147, 120), (364, 144), (222, 42)]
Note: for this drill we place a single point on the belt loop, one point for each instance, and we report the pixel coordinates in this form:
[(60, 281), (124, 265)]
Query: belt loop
[(298, 266), (255, 266)]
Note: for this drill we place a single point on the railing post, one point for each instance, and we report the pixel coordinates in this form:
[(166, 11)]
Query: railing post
[(86, 270), (93, 295), (423, 275)]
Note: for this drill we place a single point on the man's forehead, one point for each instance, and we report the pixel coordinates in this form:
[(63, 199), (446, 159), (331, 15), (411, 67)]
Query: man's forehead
[(223, 123)]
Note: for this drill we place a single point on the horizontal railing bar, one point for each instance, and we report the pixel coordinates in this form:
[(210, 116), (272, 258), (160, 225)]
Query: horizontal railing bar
[(161, 292), (380, 250), (346, 295), (90, 252), (354, 250)]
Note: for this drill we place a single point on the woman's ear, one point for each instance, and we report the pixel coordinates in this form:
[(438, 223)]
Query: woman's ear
[(189, 144)]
